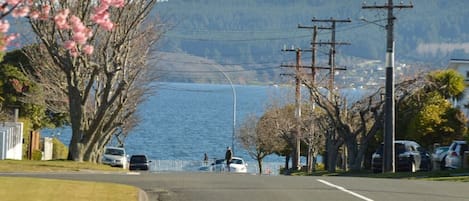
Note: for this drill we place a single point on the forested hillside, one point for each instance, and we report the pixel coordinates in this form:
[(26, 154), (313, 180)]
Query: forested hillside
[(251, 33)]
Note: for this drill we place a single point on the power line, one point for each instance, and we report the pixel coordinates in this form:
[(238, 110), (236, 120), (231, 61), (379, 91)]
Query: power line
[(227, 71), (239, 40)]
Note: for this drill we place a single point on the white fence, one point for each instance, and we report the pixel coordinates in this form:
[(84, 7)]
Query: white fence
[(272, 168), (11, 140)]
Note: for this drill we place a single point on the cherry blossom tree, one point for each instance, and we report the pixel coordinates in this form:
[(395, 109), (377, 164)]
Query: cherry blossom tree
[(95, 54)]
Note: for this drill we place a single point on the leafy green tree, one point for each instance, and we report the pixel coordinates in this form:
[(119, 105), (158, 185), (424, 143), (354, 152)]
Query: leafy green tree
[(428, 115), (18, 90)]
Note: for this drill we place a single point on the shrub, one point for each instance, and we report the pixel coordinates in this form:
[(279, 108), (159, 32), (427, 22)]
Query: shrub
[(37, 155), (60, 151)]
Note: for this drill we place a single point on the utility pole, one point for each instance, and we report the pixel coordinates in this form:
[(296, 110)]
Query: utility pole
[(309, 158), (297, 142), (389, 112), (332, 68), (313, 51), (332, 49)]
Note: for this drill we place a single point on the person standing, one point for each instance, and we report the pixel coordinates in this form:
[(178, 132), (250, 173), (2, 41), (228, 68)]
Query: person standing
[(205, 159), (228, 157)]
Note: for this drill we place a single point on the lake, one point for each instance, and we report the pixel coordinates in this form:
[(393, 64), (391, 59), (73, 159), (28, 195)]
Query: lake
[(182, 121)]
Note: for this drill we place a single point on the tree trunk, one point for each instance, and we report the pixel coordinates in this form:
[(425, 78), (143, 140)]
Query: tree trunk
[(309, 159), (259, 162), (333, 150), (332, 158), (75, 151), (287, 161)]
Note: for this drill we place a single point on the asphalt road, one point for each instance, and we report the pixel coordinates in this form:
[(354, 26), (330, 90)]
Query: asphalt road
[(238, 187)]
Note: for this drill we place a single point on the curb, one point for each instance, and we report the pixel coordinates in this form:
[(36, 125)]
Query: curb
[(142, 195)]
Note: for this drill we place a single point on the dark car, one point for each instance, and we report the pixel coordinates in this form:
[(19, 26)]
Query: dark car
[(139, 162), (409, 156)]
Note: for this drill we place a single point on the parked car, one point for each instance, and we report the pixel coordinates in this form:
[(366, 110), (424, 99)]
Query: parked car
[(238, 165), (139, 162), (219, 165), (409, 156), (115, 156), (438, 156), (455, 154)]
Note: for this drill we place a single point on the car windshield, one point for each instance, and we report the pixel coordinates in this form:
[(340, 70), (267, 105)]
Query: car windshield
[(237, 161), (441, 150), (138, 159), (399, 148), (116, 152), (219, 161)]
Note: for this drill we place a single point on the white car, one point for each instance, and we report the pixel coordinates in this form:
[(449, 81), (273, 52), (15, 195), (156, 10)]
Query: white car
[(115, 156), (238, 165), (455, 154)]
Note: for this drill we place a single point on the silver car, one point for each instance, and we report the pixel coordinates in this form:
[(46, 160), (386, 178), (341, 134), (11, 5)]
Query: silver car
[(438, 156), (115, 156), (455, 154)]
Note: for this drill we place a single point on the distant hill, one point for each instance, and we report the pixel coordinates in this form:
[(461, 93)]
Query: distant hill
[(244, 38)]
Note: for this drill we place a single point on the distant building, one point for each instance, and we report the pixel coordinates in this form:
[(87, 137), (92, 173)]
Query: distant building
[(462, 66)]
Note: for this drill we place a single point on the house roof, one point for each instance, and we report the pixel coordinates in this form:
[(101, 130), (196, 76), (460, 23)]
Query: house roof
[(456, 63)]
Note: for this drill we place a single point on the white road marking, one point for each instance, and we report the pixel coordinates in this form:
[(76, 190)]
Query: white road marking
[(345, 190)]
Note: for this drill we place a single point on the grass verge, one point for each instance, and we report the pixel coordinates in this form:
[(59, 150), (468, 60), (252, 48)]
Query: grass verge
[(52, 166), (20, 188)]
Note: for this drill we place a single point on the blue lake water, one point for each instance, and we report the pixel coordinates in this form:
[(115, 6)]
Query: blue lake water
[(182, 121)]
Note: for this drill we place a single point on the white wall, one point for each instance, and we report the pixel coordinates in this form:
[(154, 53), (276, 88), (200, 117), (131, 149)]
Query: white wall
[(11, 140)]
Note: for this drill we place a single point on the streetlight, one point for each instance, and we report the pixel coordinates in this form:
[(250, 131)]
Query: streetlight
[(234, 106)]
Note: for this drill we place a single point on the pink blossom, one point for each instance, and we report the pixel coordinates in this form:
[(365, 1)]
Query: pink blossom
[(4, 26), (45, 10), (79, 37), (99, 18), (118, 3), (11, 37), (77, 25), (101, 8), (34, 14), (13, 2), (88, 32), (88, 49), (73, 52), (61, 19), (20, 11), (69, 44), (108, 25)]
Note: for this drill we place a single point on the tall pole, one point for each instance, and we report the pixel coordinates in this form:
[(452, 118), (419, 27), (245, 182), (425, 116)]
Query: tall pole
[(297, 155), (234, 107), (332, 70), (298, 82), (389, 105)]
